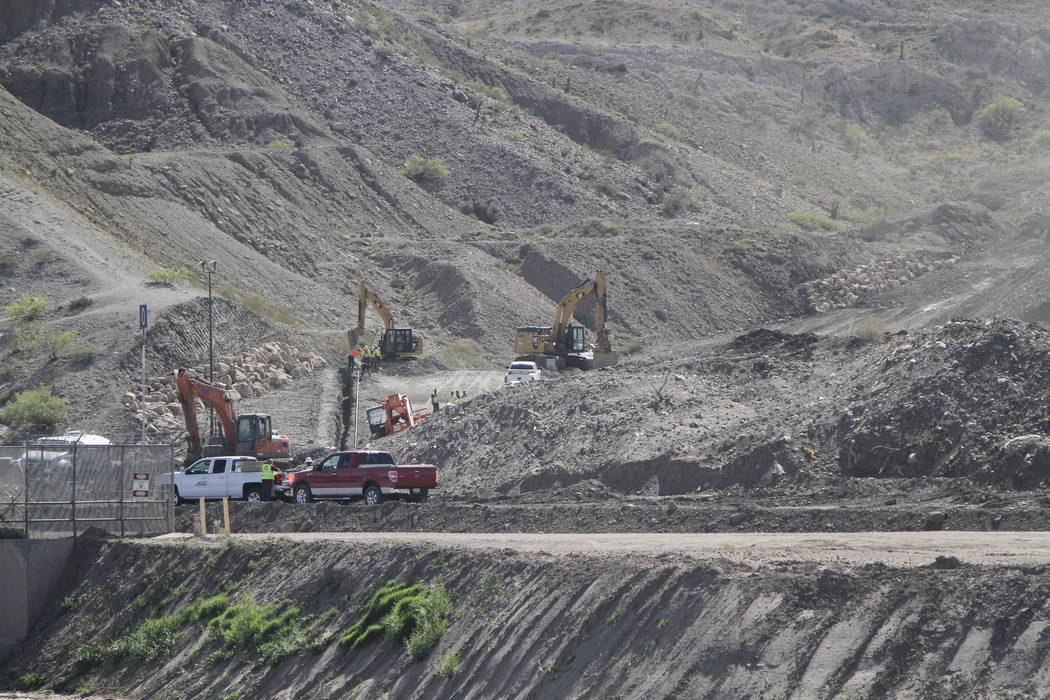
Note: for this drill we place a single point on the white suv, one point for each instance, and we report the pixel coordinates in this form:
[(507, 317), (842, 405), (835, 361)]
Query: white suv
[(520, 371)]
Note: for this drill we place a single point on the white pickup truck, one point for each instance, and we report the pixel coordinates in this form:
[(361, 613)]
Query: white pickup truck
[(220, 477), (522, 371)]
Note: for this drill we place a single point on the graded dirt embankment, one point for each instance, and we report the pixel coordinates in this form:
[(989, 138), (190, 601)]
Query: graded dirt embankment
[(535, 624)]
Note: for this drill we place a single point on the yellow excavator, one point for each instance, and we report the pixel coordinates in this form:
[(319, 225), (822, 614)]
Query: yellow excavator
[(564, 344), (396, 342)]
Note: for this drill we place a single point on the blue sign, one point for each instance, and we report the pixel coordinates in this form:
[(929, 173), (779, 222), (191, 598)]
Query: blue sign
[(143, 316)]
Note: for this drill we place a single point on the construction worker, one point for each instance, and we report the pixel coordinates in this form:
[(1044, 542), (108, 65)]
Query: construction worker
[(378, 354), (434, 401), (267, 480), (365, 360), (451, 397)]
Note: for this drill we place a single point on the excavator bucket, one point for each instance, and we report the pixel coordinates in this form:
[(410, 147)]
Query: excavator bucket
[(605, 359)]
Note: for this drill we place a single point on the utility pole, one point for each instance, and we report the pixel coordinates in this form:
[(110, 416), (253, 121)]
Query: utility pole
[(357, 402), (208, 266), (143, 323)]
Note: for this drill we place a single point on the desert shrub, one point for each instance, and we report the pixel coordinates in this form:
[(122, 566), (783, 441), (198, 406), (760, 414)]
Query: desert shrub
[(43, 342), (80, 303), (515, 135), (423, 169), (31, 681), (36, 408), (449, 665), (872, 329), (669, 130), (1041, 139), (1000, 118), (677, 201), (168, 276), (479, 92), (815, 222), (153, 638), (854, 137), (27, 307), (281, 143)]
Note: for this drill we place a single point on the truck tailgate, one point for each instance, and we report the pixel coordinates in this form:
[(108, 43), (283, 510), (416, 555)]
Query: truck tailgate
[(416, 475)]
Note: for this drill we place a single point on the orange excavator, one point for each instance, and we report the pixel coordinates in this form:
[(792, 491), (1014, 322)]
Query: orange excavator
[(247, 435), (393, 415)]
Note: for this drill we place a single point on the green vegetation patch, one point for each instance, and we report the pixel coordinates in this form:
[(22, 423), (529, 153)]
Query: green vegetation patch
[(999, 119), (422, 169), (80, 303), (43, 342), (276, 630), (27, 308), (36, 408), (416, 614), (168, 276), (449, 665), (815, 222), (377, 607), (281, 144), (31, 681)]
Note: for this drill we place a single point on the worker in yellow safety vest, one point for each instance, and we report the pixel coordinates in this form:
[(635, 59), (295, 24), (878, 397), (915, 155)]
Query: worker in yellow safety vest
[(267, 480)]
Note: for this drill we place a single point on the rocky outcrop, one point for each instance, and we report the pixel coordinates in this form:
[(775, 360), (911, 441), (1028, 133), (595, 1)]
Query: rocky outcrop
[(895, 91), (1003, 49), (272, 366)]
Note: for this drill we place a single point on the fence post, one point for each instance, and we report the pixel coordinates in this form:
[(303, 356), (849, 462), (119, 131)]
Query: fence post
[(171, 497), (73, 499), (25, 474), (121, 485)]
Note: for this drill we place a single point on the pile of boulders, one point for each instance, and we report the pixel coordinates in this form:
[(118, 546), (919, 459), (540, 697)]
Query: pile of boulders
[(272, 366), (851, 287)]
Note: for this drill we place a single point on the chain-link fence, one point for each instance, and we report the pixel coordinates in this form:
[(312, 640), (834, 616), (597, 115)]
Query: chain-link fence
[(51, 490)]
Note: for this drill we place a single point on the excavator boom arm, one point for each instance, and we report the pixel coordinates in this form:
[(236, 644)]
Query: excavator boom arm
[(191, 387), (364, 298), (597, 288)]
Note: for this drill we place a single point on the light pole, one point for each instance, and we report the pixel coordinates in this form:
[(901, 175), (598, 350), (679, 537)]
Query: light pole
[(208, 267)]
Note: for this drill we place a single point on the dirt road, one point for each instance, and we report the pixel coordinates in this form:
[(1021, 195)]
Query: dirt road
[(890, 548)]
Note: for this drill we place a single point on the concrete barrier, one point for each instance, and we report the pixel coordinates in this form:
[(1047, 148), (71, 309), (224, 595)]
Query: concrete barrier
[(29, 571)]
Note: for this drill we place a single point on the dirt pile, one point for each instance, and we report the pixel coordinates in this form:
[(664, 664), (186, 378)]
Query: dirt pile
[(524, 625), (767, 408)]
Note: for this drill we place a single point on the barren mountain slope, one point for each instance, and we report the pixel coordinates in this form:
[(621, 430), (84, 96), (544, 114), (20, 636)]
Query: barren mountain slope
[(664, 142)]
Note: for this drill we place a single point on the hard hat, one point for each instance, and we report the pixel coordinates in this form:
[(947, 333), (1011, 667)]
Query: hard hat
[(309, 460)]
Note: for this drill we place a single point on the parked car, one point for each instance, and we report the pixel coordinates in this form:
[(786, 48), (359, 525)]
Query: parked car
[(522, 371), (366, 474), (220, 477), (52, 456)]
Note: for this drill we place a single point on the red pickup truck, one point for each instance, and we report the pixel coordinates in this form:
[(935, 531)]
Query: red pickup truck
[(366, 474)]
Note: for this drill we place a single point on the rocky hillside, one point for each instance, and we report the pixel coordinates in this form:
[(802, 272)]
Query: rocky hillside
[(471, 162)]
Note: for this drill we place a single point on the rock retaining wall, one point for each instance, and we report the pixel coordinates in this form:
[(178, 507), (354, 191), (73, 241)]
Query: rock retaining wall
[(274, 365), (851, 287)]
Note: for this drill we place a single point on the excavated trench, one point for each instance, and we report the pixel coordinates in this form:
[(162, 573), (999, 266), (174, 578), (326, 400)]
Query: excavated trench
[(528, 624)]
